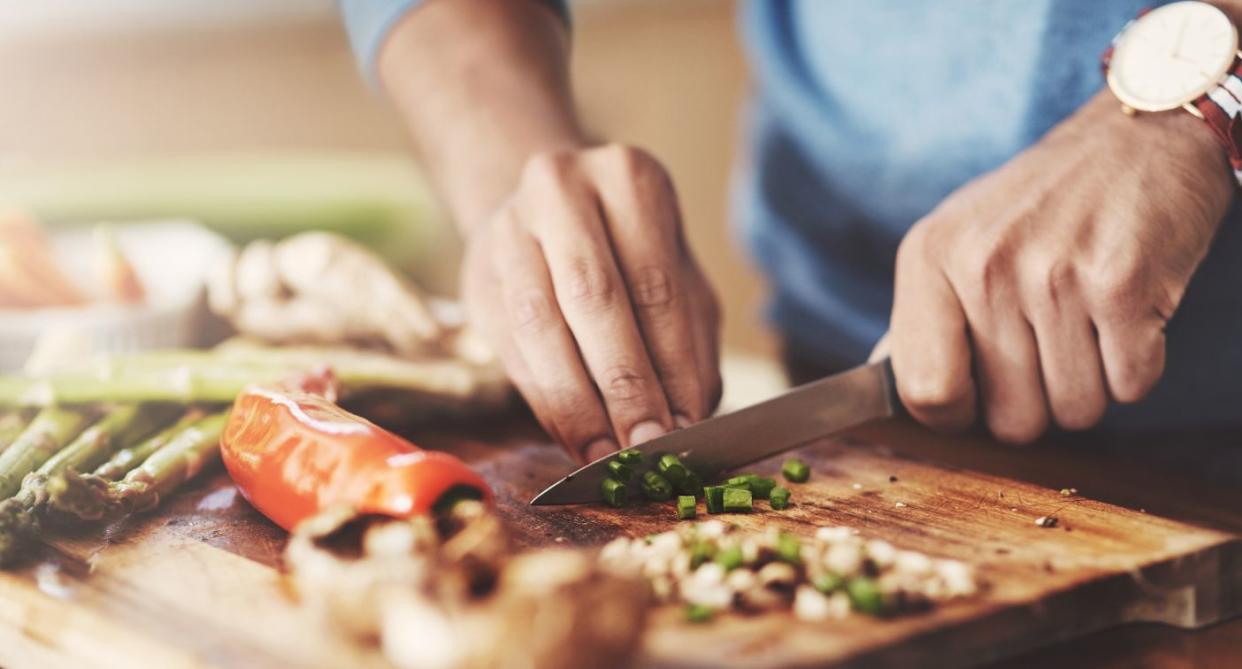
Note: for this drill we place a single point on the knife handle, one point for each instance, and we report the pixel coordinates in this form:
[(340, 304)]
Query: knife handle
[(894, 399)]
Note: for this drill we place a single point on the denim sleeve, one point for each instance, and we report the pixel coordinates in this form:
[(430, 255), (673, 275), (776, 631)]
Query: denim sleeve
[(368, 22)]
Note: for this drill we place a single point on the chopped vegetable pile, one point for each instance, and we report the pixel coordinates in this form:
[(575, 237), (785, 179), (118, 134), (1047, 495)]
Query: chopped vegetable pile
[(712, 567)]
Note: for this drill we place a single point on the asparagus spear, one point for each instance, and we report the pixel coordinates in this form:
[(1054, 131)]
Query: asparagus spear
[(11, 426), (121, 425), (127, 458), (51, 429), (89, 497)]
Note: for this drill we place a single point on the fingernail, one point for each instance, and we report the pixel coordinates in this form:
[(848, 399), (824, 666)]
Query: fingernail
[(681, 421), (646, 431), (598, 449)]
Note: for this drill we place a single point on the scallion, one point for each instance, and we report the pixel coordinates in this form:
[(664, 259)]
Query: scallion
[(779, 498), (714, 495), (687, 507), (615, 492), (656, 487), (796, 471), (737, 500), (669, 466)]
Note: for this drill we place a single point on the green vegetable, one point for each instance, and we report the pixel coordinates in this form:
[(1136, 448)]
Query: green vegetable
[(50, 431), (729, 558), (670, 467), (737, 500), (865, 595), (691, 485), (761, 486), (687, 507), (656, 487), (714, 494), (620, 470), (615, 492), (630, 456), (789, 549), (796, 471), (699, 613), (739, 481), (700, 552), (779, 498), (828, 582)]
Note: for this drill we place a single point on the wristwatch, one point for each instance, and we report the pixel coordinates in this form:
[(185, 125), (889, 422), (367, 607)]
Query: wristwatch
[(1183, 54)]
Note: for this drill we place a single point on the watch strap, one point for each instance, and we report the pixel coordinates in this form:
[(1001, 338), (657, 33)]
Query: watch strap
[(1221, 109)]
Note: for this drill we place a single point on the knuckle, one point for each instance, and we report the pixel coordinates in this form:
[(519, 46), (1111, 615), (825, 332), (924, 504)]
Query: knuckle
[(531, 310), (623, 384), (1117, 292), (1012, 428), (589, 287), (653, 287), (931, 393), (550, 169), (984, 273)]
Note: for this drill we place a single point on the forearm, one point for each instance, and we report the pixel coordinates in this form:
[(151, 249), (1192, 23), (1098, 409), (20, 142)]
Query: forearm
[(483, 85)]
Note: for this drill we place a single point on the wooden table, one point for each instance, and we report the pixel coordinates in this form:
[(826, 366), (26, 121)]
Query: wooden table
[(209, 553)]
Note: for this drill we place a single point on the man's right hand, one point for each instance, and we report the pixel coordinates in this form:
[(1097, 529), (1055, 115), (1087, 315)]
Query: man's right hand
[(584, 284)]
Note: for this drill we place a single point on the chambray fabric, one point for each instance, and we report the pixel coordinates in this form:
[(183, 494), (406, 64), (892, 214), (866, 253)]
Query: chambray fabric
[(866, 114)]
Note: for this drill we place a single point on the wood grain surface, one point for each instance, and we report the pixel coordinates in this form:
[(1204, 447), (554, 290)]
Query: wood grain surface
[(197, 584)]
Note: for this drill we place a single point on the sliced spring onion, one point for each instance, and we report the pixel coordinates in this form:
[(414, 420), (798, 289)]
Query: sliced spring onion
[(620, 470), (729, 558), (656, 487), (828, 582), (691, 485), (737, 500), (865, 595), (714, 494), (699, 613), (700, 552), (630, 456), (687, 507), (789, 549), (779, 498), (615, 492), (761, 486), (669, 466), (796, 471)]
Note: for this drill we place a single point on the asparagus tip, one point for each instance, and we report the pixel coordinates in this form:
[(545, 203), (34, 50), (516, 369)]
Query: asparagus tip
[(17, 527)]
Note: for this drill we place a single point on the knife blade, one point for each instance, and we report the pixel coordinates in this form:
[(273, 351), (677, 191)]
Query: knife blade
[(719, 444)]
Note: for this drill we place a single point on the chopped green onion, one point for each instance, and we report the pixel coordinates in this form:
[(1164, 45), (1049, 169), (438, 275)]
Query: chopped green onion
[(656, 487), (865, 595), (789, 549), (739, 481), (796, 471), (715, 498), (701, 552), (737, 500), (630, 456), (691, 485), (620, 470), (670, 467), (828, 582), (687, 507), (779, 498), (699, 613), (729, 558), (761, 486), (615, 492)]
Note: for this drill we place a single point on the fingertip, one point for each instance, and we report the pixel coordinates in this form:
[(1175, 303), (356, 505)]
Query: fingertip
[(598, 449)]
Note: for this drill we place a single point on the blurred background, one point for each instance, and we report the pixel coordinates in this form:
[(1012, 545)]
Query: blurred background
[(249, 115)]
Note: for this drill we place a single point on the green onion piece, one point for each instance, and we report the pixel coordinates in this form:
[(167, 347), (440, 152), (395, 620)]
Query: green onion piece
[(779, 498), (691, 485), (737, 500), (796, 471), (789, 549), (715, 498), (865, 595), (729, 558), (699, 613), (740, 481), (630, 456), (701, 552), (615, 492), (687, 507), (620, 470), (761, 486), (670, 467), (656, 487), (828, 582)]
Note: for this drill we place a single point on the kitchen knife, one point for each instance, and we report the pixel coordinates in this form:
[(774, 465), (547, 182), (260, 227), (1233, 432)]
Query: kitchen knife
[(719, 444)]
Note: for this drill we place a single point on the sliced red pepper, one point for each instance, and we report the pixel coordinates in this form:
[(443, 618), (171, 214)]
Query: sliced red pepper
[(294, 453)]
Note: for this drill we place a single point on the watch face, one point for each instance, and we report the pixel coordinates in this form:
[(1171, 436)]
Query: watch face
[(1172, 55)]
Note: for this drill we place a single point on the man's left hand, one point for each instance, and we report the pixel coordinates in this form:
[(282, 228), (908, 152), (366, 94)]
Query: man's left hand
[(1041, 290)]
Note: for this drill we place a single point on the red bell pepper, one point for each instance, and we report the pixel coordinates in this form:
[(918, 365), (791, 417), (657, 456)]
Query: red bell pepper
[(294, 453)]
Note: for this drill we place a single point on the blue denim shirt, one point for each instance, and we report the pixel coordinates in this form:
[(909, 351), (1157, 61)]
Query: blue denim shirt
[(866, 115)]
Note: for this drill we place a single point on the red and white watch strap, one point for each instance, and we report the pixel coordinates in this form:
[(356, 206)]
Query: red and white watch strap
[(1221, 109)]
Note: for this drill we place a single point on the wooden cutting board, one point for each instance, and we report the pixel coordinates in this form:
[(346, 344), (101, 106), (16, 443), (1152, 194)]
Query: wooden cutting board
[(197, 584)]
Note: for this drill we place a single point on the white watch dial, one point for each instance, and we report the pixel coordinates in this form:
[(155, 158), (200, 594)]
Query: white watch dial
[(1172, 55)]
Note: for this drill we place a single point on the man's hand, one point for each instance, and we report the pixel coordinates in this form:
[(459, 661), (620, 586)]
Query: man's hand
[(1041, 291), (583, 283)]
